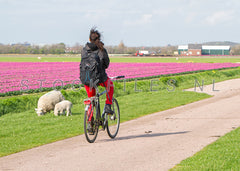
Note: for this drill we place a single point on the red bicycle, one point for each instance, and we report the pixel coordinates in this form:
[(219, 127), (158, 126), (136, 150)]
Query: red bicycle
[(93, 118)]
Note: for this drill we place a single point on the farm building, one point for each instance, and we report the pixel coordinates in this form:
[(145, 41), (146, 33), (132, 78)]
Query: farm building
[(198, 49), (182, 49), (215, 50)]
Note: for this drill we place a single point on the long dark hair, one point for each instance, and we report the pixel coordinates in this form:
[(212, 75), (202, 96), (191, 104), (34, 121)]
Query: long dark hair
[(95, 37)]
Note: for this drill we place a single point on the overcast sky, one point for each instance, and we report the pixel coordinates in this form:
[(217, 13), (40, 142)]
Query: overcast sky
[(135, 22)]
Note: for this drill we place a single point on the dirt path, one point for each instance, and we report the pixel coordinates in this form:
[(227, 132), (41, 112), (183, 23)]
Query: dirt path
[(154, 142)]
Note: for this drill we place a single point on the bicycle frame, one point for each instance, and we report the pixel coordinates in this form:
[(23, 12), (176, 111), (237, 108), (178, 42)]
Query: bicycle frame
[(91, 100), (94, 101), (93, 118)]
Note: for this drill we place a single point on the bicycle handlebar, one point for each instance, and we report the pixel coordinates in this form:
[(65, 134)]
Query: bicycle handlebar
[(117, 77)]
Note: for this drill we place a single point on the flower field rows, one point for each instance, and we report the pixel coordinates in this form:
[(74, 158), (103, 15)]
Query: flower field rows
[(15, 76)]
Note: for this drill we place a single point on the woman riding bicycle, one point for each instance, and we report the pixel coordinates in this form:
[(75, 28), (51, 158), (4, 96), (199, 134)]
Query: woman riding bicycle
[(96, 47)]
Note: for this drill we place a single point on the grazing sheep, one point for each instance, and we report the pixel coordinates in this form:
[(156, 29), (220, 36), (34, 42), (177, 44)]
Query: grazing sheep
[(47, 102), (63, 106)]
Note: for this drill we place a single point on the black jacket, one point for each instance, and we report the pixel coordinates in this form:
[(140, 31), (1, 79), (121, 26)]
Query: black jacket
[(104, 59)]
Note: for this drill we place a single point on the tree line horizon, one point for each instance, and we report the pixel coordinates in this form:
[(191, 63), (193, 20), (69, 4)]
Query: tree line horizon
[(61, 48)]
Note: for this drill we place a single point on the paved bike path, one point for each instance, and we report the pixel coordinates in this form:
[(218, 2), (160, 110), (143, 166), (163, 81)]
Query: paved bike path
[(155, 142)]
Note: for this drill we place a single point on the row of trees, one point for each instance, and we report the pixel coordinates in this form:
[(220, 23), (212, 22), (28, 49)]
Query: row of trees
[(122, 49), (61, 48), (235, 50), (32, 49)]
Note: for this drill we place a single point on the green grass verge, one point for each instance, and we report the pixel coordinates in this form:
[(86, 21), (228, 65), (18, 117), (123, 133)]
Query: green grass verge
[(180, 59), (44, 58), (22, 129), (77, 58), (224, 154)]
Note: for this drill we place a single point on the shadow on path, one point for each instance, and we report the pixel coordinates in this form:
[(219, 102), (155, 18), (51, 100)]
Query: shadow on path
[(146, 135)]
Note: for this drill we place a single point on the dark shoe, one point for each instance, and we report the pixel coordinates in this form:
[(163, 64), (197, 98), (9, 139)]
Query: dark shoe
[(108, 109)]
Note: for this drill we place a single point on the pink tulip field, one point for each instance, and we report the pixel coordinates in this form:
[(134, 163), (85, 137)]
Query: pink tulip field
[(15, 76)]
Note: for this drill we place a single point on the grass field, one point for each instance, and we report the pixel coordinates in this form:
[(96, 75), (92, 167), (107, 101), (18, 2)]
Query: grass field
[(177, 59), (21, 131), (220, 155), (77, 58)]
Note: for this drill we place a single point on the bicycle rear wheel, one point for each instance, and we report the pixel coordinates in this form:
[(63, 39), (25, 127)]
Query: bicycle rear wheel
[(113, 121), (90, 124)]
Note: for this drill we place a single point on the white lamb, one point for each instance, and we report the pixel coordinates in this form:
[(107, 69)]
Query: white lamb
[(47, 102), (63, 106)]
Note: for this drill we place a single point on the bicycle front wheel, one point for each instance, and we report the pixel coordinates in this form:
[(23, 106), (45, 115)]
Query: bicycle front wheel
[(90, 124), (113, 121)]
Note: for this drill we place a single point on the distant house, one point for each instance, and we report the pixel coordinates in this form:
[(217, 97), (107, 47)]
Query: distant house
[(199, 49), (194, 49)]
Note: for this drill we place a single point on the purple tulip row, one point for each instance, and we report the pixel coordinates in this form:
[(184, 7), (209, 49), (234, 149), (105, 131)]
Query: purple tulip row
[(15, 76)]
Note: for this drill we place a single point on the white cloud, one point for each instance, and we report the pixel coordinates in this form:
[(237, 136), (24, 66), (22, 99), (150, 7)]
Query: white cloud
[(219, 17)]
